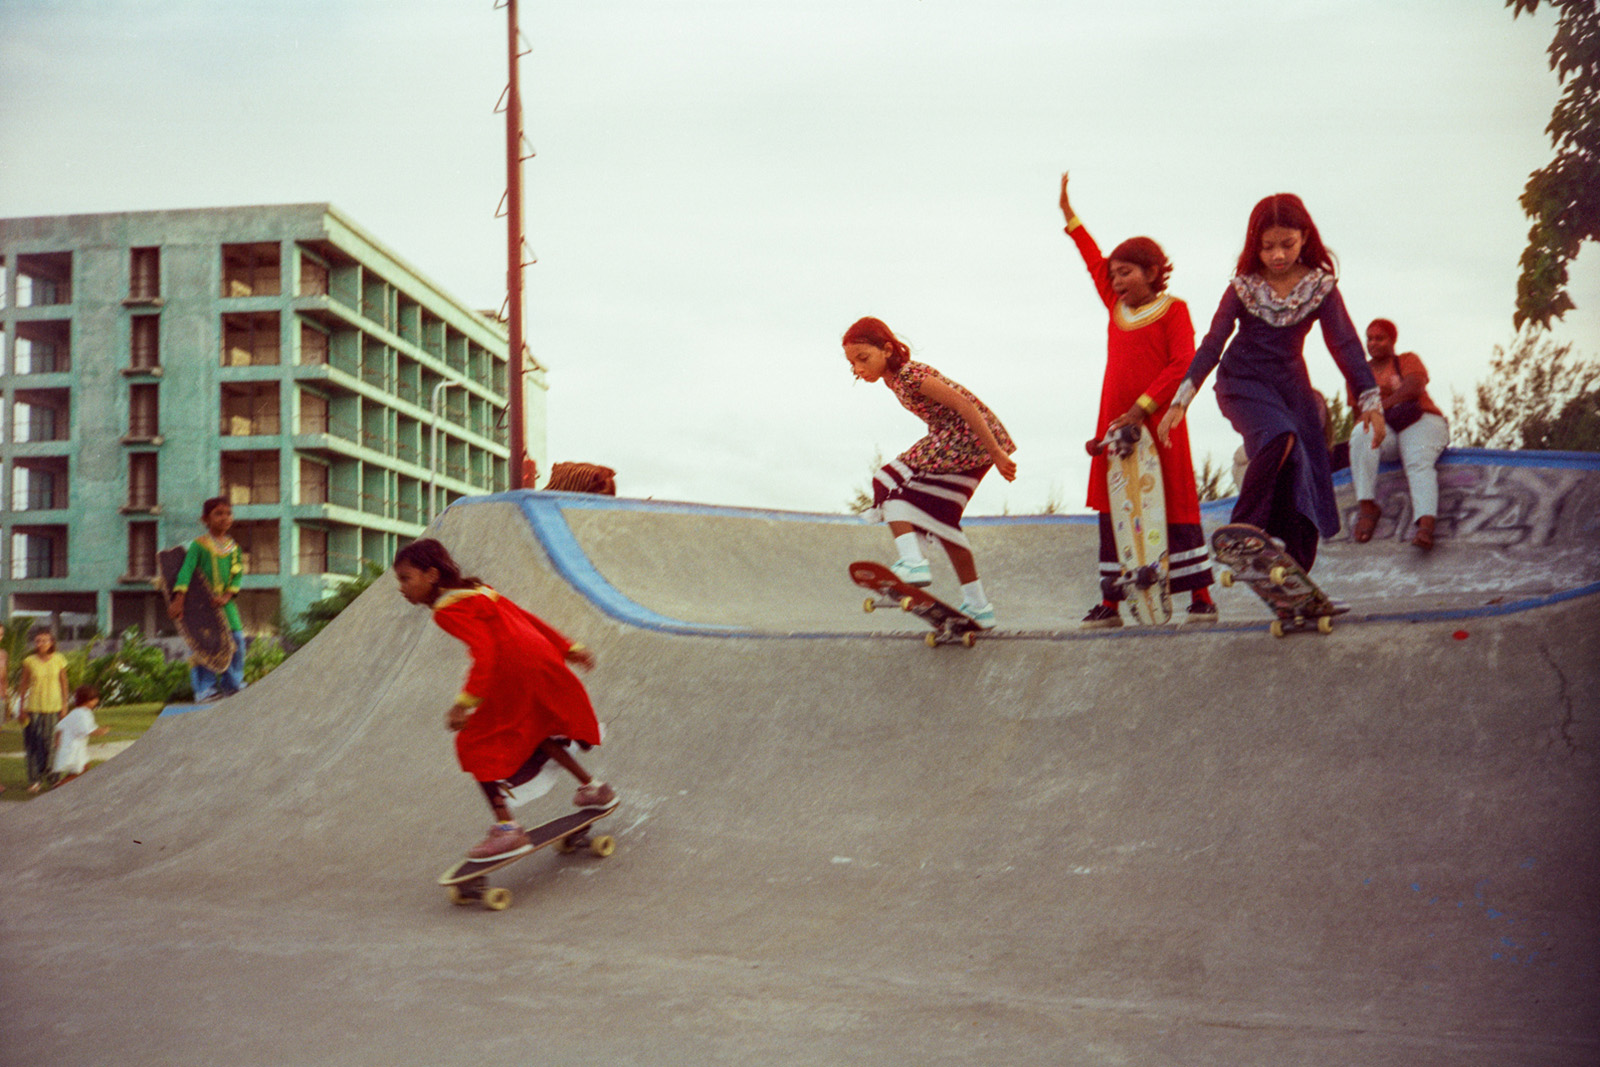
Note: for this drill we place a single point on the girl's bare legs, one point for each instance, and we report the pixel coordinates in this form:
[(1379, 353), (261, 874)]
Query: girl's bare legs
[(560, 754), (591, 792), (960, 558)]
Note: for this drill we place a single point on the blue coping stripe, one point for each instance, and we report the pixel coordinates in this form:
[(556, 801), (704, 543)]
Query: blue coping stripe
[(544, 511), (544, 514)]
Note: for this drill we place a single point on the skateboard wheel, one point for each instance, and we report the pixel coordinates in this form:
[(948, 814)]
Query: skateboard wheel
[(869, 605), (932, 640), (1325, 624), (1225, 579), (459, 895), (969, 639), (1277, 574), (1276, 627), (498, 899), (571, 843), (905, 603), (603, 846)]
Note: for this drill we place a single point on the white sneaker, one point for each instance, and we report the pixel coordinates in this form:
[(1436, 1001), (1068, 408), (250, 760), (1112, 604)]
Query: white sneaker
[(983, 616), (918, 574)]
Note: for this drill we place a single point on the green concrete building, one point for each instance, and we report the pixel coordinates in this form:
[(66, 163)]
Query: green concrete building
[(279, 356)]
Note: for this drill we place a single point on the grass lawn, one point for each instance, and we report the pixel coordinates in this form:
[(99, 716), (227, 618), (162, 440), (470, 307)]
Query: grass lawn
[(128, 723)]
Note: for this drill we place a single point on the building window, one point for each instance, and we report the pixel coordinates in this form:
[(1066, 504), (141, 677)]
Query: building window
[(144, 351), (141, 551), (39, 552), (39, 484), (258, 545), (250, 409), (250, 270), (250, 477), (44, 347), (314, 485), (313, 277), (144, 412), (250, 340), (313, 551), (313, 346), (313, 412), (44, 279), (41, 415), (143, 489), (144, 274)]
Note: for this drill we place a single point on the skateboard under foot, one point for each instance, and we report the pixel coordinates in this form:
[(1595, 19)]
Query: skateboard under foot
[(1255, 558), (468, 883), (949, 625)]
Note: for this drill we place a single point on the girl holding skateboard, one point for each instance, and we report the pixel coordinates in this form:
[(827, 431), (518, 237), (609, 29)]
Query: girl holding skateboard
[(1284, 282), (1149, 343), (925, 490), (217, 556), (520, 704)]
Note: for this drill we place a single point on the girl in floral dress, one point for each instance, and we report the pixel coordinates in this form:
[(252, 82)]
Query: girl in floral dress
[(925, 490), (1284, 282)]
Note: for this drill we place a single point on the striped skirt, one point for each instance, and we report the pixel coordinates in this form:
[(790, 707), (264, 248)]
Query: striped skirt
[(1188, 560), (932, 503)]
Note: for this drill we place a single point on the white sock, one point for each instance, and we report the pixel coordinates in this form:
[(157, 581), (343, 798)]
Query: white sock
[(972, 592), (910, 548)]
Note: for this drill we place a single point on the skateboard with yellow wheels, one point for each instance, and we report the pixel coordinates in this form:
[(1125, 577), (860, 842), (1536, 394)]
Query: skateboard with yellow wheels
[(950, 626), (1254, 557), (468, 883), (1138, 524)]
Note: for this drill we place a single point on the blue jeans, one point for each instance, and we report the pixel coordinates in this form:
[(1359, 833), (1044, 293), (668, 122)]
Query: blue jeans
[(208, 683)]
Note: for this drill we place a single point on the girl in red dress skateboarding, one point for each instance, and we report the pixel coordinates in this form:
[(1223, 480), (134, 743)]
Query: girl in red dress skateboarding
[(1149, 343), (927, 487), (520, 703)]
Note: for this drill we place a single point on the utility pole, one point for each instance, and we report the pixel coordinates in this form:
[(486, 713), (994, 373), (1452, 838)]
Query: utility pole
[(514, 246)]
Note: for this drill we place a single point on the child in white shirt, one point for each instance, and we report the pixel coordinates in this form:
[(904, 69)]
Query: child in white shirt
[(73, 733)]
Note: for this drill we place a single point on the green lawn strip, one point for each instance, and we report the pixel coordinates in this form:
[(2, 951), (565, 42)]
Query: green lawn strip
[(128, 723)]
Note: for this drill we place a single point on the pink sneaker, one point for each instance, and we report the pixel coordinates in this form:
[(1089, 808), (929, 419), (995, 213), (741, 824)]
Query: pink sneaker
[(503, 842), (595, 795)]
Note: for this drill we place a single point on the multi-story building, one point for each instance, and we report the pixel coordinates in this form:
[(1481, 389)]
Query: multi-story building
[(279, 356)]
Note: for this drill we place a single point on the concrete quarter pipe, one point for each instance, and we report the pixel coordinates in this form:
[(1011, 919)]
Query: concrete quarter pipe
[(838, 846)]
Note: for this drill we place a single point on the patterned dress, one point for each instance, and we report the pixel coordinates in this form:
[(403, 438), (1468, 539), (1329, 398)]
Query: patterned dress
[(1262, 384), (929, 484)]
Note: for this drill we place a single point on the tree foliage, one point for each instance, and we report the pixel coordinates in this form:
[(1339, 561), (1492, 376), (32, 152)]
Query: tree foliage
[(1563, 197), (1538, 395), (322, 612), (1208, 480), (134, 672)]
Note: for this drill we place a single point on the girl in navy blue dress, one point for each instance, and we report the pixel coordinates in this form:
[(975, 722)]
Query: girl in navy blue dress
[(1285, 281)]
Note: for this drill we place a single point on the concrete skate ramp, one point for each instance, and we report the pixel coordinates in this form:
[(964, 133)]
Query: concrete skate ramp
[(1375, 847), (1516, 530)]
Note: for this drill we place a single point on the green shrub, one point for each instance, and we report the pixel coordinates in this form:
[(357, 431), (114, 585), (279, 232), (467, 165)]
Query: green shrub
[(263, 654)]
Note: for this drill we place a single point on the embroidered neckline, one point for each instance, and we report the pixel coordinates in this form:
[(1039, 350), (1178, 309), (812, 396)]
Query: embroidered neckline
[(1133, 318), (1262, 301), (455, 596)]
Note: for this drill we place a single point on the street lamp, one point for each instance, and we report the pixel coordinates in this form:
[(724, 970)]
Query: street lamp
[(433, 444)]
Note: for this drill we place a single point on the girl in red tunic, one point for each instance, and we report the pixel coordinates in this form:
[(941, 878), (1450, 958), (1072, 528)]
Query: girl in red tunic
[(1149, 344), (520, 704)]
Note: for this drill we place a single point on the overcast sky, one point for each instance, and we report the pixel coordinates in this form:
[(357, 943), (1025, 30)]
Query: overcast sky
[(723, 186)]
